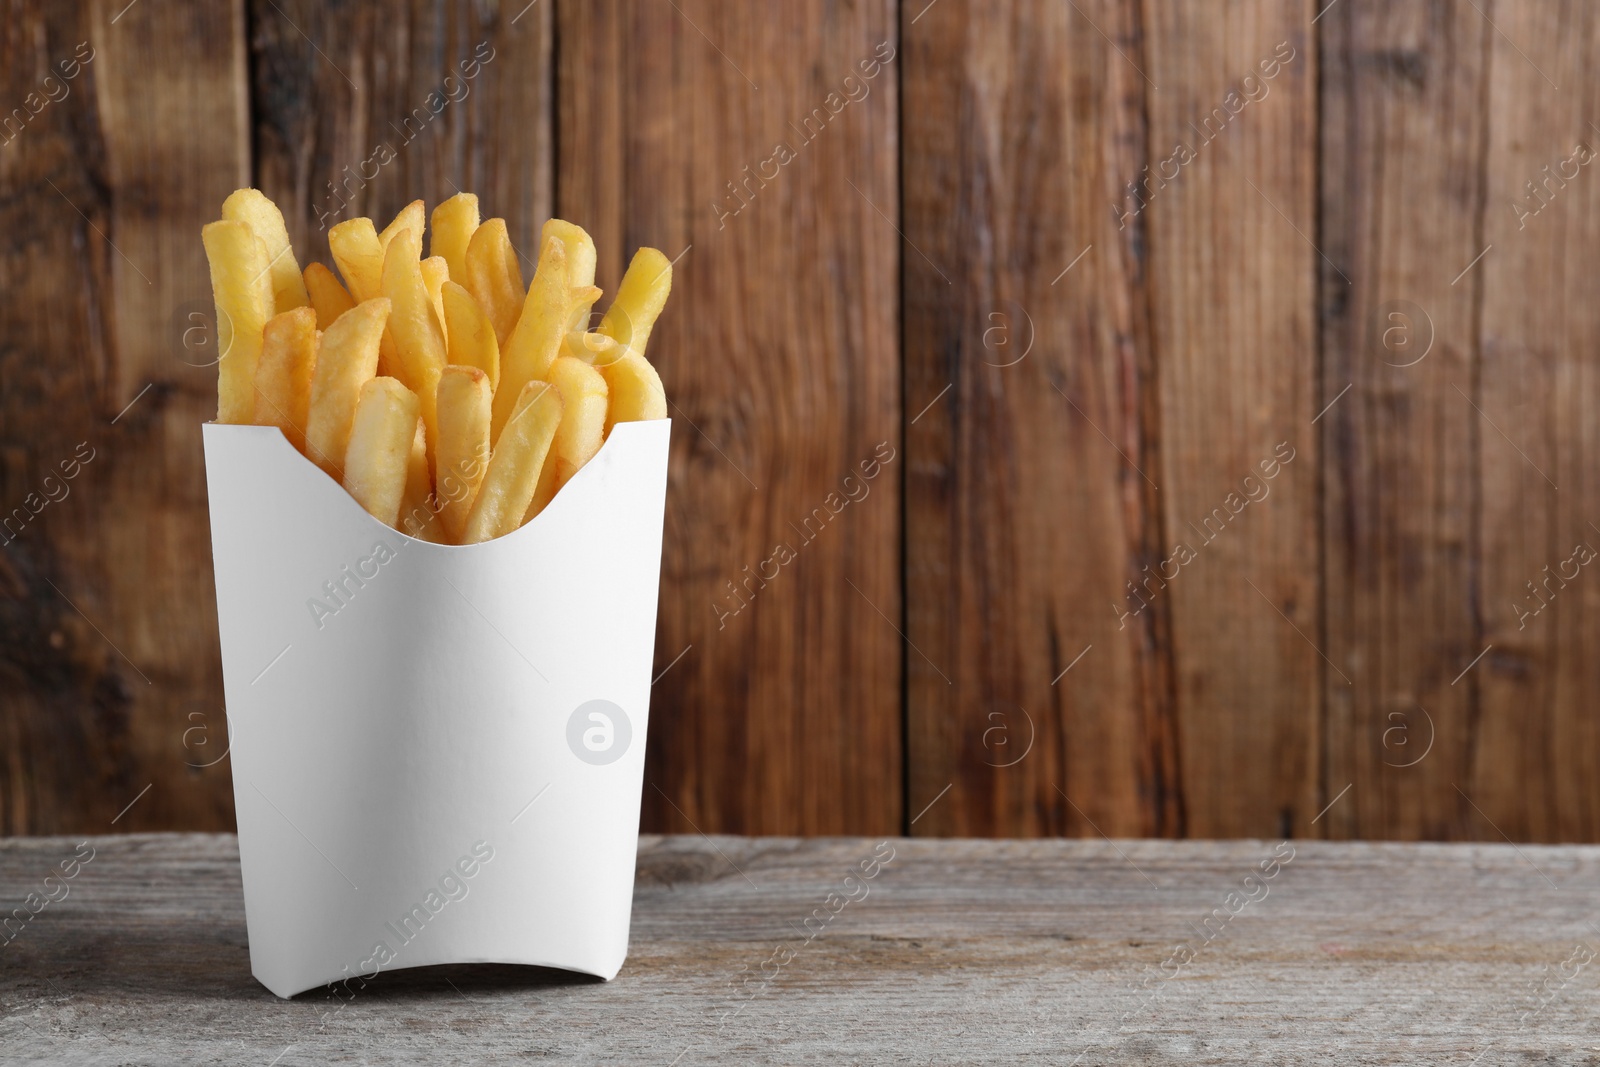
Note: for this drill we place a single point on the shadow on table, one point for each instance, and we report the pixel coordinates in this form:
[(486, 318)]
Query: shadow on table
[(212, 963), (463, 979)]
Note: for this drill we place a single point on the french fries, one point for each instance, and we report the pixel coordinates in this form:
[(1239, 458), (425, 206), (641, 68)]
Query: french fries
[(411, 217), (376, 459), (634, 389), (583, 415), (515, 464), (592, 346), (417, 516), (347, 359), (413, 323), (454, 222), (253, 209), (640, 298), (435, 272), (464, 399), (359, 256), (582, 429), (493, 276), (451, 402), (536, 341), (580, 269), (469, 334), (327, 295), (242, 287), (283, 377)]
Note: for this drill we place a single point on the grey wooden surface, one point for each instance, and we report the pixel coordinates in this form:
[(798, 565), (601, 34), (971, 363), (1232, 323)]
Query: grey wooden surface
[(1047, 951)]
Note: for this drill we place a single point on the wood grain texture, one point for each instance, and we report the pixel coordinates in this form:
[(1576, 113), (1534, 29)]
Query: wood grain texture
[(1402, 126), (1533, 773), (362, 108), (1028, 397), (960, 952), (755, 152), (1407, 577), (1234, 324), (108, 648)]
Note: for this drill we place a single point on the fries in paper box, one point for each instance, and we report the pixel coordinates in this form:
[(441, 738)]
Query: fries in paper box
[(448, 402), (436, 506)]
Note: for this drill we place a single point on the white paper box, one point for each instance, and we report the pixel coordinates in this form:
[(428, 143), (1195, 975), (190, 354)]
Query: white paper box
[(418, 721)]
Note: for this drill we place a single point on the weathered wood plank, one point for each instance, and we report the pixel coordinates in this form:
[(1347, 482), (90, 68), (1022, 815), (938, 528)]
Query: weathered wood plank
[(361, 108), (108, 646), (751, 147), (959, 951), (1402, 167), (1230, 202), (1027, 396), (1536, 749), (1205, 715), (592, 104)]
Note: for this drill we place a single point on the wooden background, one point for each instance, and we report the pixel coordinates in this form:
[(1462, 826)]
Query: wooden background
[(1078, 384)]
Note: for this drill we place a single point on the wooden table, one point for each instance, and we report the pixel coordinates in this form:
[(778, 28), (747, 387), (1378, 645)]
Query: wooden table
[(1048, 951)]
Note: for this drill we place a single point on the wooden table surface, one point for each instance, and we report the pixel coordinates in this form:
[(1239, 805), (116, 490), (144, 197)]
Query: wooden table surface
[(955, 951)]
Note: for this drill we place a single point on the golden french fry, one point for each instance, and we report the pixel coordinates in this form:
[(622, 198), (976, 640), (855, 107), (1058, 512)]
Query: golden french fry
[(494, 277), (251, 207), (453, 224), (418, 335), (355, 248), (413, 217), (463, 449), (583, 414), (435, 272), (541, 327), (635, 391), (386, 357), (591, 346), (549, 485), (359, 253), (579, 246), (380, 447), (469, 335), (241, 284), (414, 510), (347, 358), (514, 467), (639, 300), (582, 429), (580, 276), (327, 295), (419, 515), (283, 376), (580, 266)]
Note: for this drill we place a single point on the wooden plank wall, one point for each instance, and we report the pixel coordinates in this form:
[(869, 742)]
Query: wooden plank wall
[(1536, 750), (1025, 388), (783, 370), (1223, 371), (1403, 122), (107, 616)]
